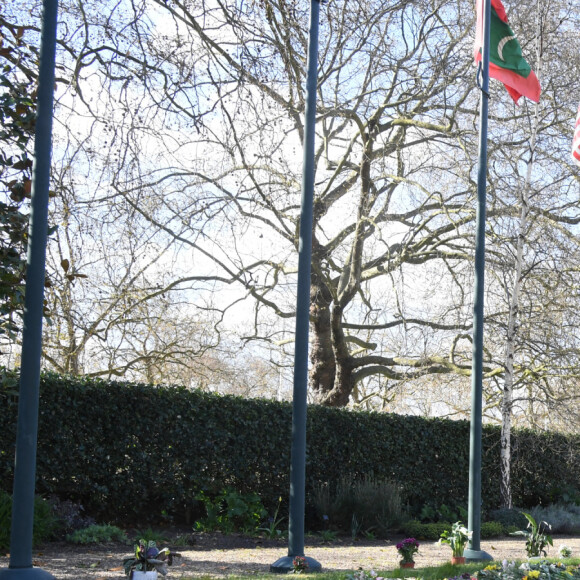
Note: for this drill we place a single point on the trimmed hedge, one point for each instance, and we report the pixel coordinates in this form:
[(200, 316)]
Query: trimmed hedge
[(433, 531), (131, 452)]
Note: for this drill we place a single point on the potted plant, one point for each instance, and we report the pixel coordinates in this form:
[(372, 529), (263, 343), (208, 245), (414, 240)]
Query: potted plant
[(536, 539), (457, 539), (148, 561), (407, 548)]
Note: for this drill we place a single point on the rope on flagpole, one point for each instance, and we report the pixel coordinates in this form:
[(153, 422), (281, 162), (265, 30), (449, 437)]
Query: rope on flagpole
[(478, 79)]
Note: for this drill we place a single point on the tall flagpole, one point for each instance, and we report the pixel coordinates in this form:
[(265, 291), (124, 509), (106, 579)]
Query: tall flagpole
[(20, 567), (474, 553), (298, 455)]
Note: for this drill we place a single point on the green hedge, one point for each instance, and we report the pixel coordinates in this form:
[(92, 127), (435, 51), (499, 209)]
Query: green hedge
[(132, 451)]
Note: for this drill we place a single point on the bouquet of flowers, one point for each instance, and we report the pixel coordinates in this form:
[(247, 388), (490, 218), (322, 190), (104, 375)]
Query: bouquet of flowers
[(300, 565)]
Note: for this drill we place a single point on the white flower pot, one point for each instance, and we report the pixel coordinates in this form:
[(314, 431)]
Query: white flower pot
[(140, 575)]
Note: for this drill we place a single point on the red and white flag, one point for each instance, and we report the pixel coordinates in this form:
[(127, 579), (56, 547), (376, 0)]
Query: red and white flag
[(576, 140)]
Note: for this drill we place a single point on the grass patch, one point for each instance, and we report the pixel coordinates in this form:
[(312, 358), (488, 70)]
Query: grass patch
[(442, 572), (429, 573)]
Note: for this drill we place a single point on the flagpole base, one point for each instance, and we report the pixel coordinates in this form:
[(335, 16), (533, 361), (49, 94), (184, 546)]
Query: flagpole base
[(476, 555), (285, 565), (25, 574)]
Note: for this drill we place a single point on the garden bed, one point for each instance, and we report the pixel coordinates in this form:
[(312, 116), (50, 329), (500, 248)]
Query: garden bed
[(219, 555)]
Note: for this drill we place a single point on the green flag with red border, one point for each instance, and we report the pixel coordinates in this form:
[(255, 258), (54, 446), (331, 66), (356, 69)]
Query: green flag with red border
[(506, 62)]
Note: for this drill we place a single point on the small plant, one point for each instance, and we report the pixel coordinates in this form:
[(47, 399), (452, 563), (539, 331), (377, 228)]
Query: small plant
[(362, 575), (564, 551), (184, 540), (150, 535), (148, 557), (231, 511), (355, 527), (271, 530), (70, 515), (300, 565), (457, 539), (536, 539), (97, 534), (328, 535), (407, 549)]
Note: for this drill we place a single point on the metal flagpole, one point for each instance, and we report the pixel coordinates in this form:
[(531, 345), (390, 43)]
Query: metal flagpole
[(298, 455), (20, 566), (474, 553)]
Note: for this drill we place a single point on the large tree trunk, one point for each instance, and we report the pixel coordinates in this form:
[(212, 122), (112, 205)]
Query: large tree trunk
[(331, 374), (321, 354)]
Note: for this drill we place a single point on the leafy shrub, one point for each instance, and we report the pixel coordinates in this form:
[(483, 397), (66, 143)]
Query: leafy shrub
[(433, 530), (366, 504), (69, 515), (564, 519), (45, 522), (331, 504), (377, 505), (429, 531), (509, 518), (442, 513), (492, 530), (231, 511), (97, 534)]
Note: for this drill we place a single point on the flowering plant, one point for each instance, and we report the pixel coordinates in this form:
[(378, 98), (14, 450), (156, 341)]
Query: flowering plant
[(300, 564), (543, 570), (148, 558), (457, 539), (408, 548)]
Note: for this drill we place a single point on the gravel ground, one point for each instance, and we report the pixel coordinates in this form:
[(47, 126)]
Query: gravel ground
[(220, 556)]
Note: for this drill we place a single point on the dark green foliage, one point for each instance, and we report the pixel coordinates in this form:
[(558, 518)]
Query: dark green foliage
[(231, 512), (509, 518), (431, 531), (493, 530), (374, 505), (69, 515), (442, 513), (45, 522), (97, 534), (17, 121), (128, 452)]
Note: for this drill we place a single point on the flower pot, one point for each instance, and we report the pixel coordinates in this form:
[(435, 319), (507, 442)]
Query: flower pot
[(455, 560), (407, 564), (140, 575)]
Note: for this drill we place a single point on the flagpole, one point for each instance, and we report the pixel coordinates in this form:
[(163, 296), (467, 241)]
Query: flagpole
[(298, 450), (474, 553), (21, 533)]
